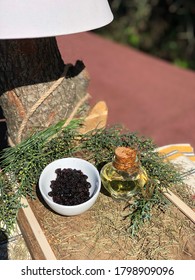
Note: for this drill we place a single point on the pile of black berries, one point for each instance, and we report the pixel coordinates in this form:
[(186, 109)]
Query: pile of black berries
[(70, 187)]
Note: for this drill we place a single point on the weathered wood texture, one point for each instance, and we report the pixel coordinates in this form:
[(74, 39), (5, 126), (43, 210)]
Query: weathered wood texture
[(37, 89)]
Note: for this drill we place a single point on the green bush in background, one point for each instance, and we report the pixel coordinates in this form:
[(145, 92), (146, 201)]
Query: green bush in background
[(163, 28)]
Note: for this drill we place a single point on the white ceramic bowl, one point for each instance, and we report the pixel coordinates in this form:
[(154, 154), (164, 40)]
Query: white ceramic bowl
[(48, 174)]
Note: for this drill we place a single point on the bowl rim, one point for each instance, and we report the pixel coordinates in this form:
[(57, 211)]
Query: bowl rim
[(61, 206)]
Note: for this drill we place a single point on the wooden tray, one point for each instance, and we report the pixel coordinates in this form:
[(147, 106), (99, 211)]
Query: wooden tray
[(102, 231)]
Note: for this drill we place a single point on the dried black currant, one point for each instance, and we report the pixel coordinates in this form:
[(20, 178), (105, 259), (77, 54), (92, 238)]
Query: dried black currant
[(70, 187)]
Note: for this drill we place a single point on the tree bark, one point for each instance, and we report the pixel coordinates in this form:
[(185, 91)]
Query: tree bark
[(36, 88)]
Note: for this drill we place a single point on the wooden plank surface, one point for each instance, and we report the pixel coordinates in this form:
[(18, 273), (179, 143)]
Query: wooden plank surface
[(34, 236)]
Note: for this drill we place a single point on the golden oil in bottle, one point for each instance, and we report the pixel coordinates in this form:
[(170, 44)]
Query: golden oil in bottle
[(124, 176)]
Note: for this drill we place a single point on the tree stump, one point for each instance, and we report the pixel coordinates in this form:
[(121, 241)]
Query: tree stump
[(37, 88)]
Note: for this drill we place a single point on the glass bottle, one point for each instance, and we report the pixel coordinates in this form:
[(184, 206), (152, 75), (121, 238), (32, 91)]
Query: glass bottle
[(124, 176)]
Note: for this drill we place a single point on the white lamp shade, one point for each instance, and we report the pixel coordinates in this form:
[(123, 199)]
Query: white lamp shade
[(47, 18)]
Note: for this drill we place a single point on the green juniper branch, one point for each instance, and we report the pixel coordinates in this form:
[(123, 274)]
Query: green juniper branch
[(24, 163)]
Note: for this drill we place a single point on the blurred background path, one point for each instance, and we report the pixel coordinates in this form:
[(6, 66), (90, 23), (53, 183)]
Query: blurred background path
[(146, 94)]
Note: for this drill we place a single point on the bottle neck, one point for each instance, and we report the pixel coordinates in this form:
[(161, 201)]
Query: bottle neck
[(130, 167)]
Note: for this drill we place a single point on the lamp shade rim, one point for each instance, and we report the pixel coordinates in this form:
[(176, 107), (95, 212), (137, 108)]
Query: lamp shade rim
[(35, 18)]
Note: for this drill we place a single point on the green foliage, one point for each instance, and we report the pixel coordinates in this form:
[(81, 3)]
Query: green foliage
[(141, 210), (9, 203), (162, 28), (22, 165)]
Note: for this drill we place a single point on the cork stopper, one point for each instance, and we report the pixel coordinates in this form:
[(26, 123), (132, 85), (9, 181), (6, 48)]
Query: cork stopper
[(125, 159)]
